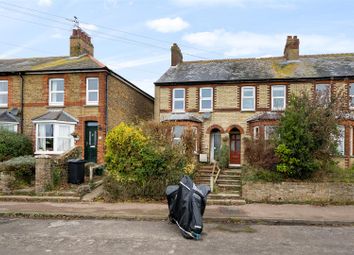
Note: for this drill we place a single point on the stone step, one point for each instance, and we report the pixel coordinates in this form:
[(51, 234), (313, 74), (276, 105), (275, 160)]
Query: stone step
[(234, 171), (236, 182), (222, 185), (224, 195), (59, 199), (226, 202)]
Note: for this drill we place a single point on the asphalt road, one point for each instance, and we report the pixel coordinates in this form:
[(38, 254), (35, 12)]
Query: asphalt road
[(25, 236)]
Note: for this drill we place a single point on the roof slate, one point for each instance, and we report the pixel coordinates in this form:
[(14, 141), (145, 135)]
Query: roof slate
[(5, 116), (310, 66), (182, 117), (265, 116), (49, 63), (57, 115)]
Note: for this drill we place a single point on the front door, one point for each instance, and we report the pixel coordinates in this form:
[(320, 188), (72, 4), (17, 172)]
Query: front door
[(91, 128), (235, 148), (215, 144)]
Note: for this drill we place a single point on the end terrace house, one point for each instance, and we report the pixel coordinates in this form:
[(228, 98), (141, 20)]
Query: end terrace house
[(70, 100), (229, 99)]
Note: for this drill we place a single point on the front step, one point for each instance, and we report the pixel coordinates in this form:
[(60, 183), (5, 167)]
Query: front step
[(226, 202), (224, 195)]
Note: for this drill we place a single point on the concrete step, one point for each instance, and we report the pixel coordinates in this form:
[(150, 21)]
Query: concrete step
[(222, 185), (234, 171), (226, 202), (236, 182), (224, 195)]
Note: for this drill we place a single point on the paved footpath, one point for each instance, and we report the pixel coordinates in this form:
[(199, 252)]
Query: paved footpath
[(253, 213)]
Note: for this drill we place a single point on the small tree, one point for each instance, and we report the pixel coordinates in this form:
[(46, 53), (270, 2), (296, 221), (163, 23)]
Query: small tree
[(307, 134), (14, 145)]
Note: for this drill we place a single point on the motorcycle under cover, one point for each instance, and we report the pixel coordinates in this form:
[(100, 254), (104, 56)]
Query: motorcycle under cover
[(186, 203)]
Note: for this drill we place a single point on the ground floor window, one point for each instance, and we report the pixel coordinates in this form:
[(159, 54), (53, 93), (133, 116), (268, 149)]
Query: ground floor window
[(341, 140), (54, 137), (269, 131), (179, 131), (9, 126)]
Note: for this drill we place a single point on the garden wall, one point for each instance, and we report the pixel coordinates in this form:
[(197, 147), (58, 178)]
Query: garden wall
[(299, 192)]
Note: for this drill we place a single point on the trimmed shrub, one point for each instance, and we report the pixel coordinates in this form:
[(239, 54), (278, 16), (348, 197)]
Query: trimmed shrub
[(14, 145), (23, 168), (141, 166)]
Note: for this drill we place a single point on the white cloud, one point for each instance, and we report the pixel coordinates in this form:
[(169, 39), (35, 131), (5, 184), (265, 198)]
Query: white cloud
[(248, 44), (168, 25), (239, 3), (86, 26), (45, 3)]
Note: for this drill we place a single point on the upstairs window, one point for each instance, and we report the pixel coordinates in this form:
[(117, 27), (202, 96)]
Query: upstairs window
[(351, 95), (56, 92), (92, 91), (278, 98), (248, 99), (323, 92), (178, 103), (4, 93), (206, 100)]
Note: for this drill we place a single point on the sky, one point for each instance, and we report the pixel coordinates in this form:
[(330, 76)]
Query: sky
[(134, 37)]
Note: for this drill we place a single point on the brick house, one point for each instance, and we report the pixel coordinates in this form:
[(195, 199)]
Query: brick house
[(226, 100), (71, 100)]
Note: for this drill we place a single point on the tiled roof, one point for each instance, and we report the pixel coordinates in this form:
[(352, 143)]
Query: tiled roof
[(5, 116), (265, 116), (311, 66), (57, 115), (182, 117), (49, 63)]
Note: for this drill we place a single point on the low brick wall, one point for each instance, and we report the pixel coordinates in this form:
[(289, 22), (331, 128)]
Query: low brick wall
[(299, 192)]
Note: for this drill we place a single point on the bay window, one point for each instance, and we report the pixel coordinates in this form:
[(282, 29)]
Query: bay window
[(248, 99), (278, 97), (323, 92), (351, 95), (341, 140), (269, 132), (9, 126), (54, 137)]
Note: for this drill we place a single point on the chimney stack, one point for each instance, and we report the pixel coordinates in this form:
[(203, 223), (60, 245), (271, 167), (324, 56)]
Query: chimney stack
[(176, 55), (80, 43), (291, 50)]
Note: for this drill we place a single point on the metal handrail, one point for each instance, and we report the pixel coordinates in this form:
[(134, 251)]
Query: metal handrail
[(212, 178)]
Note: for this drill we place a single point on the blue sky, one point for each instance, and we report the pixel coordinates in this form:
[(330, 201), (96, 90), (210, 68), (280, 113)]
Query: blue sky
[(133, 37)]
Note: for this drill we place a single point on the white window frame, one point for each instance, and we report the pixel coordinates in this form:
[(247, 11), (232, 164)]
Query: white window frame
[(255, 132), (243, 97), (5, 93), (266, 133), (6, 124), (55, 136), (201, 98), (329, 90), (52, 92), (341, 140), (351, 96), (178, 99), (278, 87), (88, 91)]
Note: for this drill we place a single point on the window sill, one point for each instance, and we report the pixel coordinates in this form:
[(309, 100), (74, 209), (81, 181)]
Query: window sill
[(55, 106), (91, 105), (178, 111), (48, 152), (206, 111), (248, 110)]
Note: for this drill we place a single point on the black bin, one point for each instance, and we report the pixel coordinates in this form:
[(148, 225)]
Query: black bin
[(76, 169)]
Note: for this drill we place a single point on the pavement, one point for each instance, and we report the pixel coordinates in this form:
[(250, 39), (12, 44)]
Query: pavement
[(284, 214)]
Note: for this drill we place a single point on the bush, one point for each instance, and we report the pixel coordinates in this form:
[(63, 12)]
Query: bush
[(14, 145), (307, 135), (139, 164), (23, 168), (224, 156), (253, 174), (260, 153)]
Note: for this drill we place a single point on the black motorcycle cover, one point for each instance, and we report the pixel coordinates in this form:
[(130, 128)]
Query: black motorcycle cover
[(186, 203)]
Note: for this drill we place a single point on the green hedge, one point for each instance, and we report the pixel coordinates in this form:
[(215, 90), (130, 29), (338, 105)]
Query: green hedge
[(14, 145)]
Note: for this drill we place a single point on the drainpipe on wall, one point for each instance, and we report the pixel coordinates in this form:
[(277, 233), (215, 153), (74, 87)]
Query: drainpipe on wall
[(106, 104), (22, 100)]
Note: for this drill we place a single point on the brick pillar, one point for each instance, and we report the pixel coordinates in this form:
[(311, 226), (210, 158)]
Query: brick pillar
[(44, 175)]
